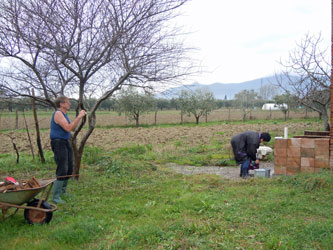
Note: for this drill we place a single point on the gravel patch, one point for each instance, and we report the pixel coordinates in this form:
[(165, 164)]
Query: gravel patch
[(225, 172)]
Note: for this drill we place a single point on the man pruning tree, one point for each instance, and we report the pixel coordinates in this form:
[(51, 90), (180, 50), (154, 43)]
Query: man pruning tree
[(61, 146), (244, 146)]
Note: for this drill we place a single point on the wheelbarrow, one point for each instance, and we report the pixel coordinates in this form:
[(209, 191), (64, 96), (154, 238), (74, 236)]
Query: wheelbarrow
[(36, 211)]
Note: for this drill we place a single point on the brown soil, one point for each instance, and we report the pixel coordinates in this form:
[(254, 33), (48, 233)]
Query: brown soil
[(111, 139)]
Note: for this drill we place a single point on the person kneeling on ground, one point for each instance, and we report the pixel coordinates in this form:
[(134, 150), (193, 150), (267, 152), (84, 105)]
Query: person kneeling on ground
[(244, 146)]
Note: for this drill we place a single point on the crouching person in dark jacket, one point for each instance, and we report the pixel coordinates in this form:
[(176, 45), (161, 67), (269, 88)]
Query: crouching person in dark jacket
[(244, 146)]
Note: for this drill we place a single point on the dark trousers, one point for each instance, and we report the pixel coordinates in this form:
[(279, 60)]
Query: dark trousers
[(245, 168), (63, 156)]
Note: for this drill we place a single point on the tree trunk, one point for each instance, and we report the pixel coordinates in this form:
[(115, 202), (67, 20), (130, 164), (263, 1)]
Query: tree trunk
[(325, 120), (197, 119), (137, 117), (16, 120), (244, 115), (306, 113), (270, 113), (28, 133), (39, 144), (155, 122), (78, 149)]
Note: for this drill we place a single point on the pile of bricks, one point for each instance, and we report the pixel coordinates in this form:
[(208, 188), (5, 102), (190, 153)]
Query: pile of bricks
[(296, 155)]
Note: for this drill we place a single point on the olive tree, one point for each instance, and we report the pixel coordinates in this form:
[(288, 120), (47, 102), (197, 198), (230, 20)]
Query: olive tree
[(134, 103), (78, 48), (197, 102), (246, 100)]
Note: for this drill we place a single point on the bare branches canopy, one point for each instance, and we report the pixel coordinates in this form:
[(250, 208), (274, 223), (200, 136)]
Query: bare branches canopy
[(308, 74), (79, 47)]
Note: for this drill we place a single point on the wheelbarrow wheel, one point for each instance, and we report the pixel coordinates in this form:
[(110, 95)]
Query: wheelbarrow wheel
[(35, 216)]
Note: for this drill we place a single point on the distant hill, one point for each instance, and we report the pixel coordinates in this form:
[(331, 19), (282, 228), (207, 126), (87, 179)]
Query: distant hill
[(222, 90)]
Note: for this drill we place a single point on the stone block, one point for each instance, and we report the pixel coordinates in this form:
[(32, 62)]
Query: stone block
[(307, 162), (305, 169), (280, 152), (280, 143), (294, 142), (322, 147), (293, 171), (294, 162), (294, 152), (280, 170), (321, 162), (308, 143), (280, 161), (308, 152)]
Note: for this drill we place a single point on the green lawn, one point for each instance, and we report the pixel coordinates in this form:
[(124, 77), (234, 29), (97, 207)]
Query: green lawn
[(127, 199)]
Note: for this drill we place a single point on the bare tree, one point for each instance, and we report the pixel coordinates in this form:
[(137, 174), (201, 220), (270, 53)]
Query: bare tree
[(308, 75), (79, 47)]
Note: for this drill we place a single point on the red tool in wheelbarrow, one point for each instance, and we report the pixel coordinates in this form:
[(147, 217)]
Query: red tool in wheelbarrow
[(36, 211)]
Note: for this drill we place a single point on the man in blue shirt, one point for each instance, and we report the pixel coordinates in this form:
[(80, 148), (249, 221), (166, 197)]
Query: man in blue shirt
[(60, 135)]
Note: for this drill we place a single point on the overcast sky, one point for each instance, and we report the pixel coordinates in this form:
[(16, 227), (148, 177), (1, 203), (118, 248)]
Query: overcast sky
[(241, 40)]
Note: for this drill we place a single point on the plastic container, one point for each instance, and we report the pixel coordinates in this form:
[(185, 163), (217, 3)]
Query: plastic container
[(262, 172)]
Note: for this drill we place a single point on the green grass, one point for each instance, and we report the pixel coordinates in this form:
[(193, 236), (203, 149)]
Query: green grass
[(123, 201), (128, 199)]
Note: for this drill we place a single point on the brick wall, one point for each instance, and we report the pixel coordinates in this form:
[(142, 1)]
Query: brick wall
[(295, 155)]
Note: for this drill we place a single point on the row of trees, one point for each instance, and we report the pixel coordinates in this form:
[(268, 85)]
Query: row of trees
[(243, 99), (197, 102)]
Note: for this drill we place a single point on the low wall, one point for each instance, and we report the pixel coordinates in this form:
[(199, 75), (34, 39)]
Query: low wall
[(296, 155)]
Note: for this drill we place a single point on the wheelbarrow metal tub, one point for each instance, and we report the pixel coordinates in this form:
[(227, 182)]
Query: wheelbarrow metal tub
[(18, 197), (36, 211)]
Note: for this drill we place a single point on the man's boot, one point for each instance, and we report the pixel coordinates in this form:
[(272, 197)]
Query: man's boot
[(57, 189), (64, 187)]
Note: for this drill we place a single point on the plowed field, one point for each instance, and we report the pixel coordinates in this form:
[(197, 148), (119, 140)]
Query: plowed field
[(160, 137)]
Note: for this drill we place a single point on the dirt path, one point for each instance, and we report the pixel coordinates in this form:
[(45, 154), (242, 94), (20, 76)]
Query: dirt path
[(225, 172)]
